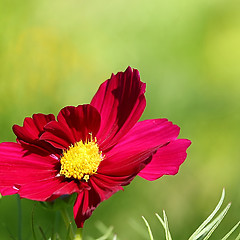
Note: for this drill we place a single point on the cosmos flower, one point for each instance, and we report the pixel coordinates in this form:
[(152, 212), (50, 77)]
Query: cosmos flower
[(92, 150)]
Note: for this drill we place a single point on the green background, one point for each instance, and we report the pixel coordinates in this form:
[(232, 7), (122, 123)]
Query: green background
[(56, 53)]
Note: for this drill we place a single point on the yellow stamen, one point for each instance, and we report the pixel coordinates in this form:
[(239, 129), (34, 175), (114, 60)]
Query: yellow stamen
[(81, 160)]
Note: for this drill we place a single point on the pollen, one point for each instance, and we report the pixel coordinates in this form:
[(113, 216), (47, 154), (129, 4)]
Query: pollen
[(81, 160)]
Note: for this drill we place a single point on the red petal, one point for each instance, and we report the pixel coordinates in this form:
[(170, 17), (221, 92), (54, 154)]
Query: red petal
[(120, 102), (58, 135), (19, 167), (88, 200), (135, 149), (74, 124), (150, 133), (32, 129), (8, 191), (167, 160), (31, 175), (48, 189), (82, 209)]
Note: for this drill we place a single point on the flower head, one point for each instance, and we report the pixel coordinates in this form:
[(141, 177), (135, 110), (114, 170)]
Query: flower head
[(92, 150)]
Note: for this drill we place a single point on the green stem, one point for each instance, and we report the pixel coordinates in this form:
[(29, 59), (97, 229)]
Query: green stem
[(19, 218), (78, 234), (68, 222)]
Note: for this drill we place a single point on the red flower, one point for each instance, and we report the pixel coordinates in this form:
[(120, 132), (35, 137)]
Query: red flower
[(92, 149)]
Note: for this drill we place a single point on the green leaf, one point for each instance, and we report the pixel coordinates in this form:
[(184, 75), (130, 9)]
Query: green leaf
[(165, 225), (149, 229), (238, 237), (231, 231), (167, 231), (211, 227), (201, 227), (213, 224)]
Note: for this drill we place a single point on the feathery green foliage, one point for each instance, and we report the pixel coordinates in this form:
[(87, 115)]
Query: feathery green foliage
[(205, 230)]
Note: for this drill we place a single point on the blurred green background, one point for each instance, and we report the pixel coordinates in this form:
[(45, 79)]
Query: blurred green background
[(56, 53)]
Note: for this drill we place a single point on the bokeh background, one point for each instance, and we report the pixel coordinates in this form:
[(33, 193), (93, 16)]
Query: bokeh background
[(56, 53)]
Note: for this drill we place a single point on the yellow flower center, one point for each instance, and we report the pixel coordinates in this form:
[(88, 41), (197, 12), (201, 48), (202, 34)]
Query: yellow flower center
[(81, 160)]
